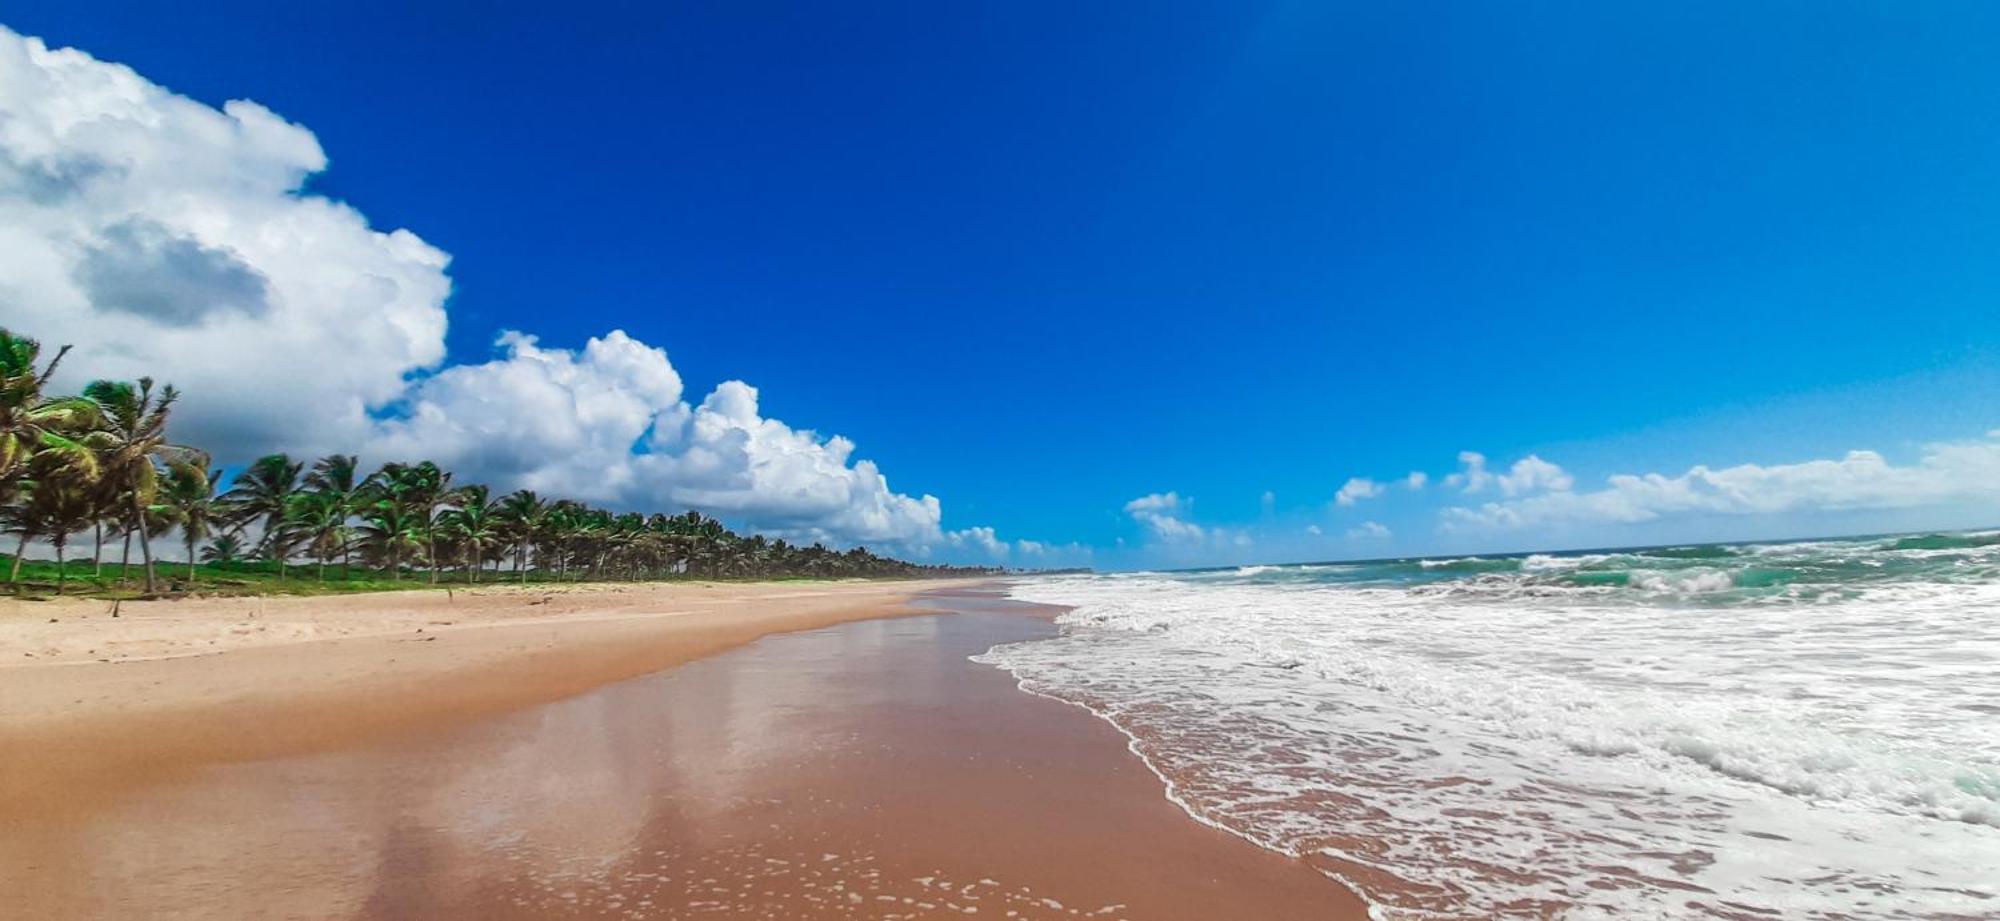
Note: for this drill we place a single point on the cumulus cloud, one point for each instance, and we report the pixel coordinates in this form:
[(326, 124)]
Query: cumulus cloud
[(162, 236), (1530, 474), (1357, 489), (982, 539), (1165, 518), (1368, 530), (1944, 472), (1161, 514), (1416, 480), (1314, 530), (1527, 475), (1472, 475)]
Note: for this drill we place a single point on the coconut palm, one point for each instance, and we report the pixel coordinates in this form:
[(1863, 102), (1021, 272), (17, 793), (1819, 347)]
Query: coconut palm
[(320, 519), (224, 550), (338, 478), (54, 505), (522, 513), (189, 499), (390, 532), (421, 490), (31, 422), (262, 494), (476, 525), (131, 444)]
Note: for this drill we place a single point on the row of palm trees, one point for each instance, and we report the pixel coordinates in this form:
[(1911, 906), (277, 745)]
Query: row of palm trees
[(100, 463)]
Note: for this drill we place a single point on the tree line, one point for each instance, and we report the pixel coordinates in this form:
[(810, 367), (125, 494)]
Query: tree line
[(100, 463)]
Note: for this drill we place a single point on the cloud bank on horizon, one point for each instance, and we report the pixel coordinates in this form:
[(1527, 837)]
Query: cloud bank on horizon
[(1537, 498), (164, 237)]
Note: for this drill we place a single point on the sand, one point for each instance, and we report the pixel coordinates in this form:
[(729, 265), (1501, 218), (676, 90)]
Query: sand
[(93, 702), (858, 767)]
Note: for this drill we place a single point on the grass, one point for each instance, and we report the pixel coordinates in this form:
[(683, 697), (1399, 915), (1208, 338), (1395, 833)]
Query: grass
[(38, 579)]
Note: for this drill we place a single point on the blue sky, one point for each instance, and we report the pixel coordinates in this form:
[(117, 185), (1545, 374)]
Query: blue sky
[(1039, 260)]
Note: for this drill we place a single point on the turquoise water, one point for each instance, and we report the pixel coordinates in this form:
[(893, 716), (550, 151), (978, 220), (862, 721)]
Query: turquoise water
[(1706, 574)]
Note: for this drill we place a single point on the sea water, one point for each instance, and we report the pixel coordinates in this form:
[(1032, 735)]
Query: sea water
[(1795, 730)]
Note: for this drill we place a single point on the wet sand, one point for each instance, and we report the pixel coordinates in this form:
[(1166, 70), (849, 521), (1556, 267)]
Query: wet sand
[(864, 770)]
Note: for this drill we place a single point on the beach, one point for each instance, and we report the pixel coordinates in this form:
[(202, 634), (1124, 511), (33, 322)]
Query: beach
[(760, 750)]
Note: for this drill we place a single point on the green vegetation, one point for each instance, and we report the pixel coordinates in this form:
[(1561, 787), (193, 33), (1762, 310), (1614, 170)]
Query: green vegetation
[(98, 470)]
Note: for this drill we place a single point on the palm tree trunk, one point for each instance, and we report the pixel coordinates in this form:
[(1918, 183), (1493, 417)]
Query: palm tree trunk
[(125, 558), (275, 552), (322, 570), (145, 545), (62, 572), (190, 543), (20, 550), (97, 549)]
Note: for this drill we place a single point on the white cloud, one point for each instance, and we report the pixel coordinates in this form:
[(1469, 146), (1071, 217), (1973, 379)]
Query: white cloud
[(1161, 514), (1357, 489), (1368, 530), (1314, 530), (1472, 475), (1268, 502), (1416, 480), (1165, 518), (1944, 472), (984, 540), (1529, 474), (164, 237)]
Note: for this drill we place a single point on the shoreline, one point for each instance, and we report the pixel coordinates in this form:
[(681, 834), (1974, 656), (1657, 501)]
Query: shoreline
[(92, 704)]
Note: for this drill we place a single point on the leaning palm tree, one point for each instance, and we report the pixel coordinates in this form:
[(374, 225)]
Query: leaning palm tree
[(54, 505), (190, 501), (131, 442), (262, 494), (33, 423)]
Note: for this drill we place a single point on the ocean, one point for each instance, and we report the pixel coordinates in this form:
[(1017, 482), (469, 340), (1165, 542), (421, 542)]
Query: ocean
[(1784, 730)]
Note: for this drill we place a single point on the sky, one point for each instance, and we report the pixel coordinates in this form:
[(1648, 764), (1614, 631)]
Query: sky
[(1050, 284)]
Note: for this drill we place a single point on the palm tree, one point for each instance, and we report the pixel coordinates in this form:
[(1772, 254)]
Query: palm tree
[(32, 423), (223, 550), (190, 500), (321, 519), (389, 531), (475, 524), (337, 478), (263, 492), (420, 490), (131, 441), (523, 514), (53, 506)]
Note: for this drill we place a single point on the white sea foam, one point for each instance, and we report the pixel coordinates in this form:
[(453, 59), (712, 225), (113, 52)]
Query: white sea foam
[(1588, 754)]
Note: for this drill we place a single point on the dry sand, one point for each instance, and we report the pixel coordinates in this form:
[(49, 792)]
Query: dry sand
[(860, 768)]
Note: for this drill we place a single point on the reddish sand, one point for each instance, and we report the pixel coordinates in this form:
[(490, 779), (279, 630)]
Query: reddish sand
[(862, 770)]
